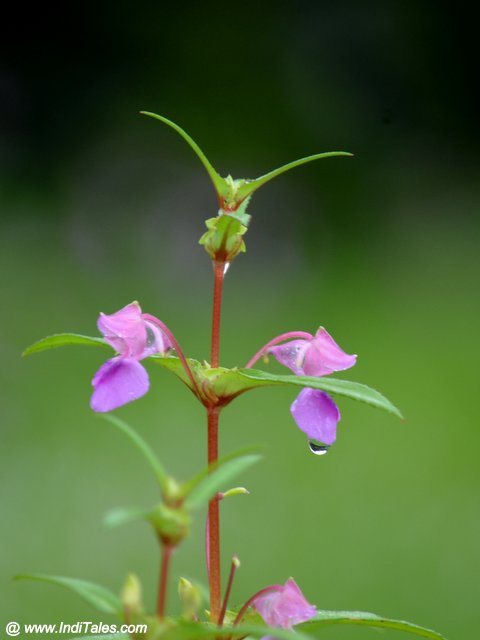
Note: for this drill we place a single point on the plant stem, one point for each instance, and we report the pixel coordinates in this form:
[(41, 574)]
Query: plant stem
[(167, 550), (214, 522), (233, 568), (212, 415), (218, 270)]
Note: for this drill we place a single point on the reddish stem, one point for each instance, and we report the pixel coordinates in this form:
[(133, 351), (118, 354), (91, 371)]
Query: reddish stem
[(214, 522), (212, 416), (233, 568), (163, 584), (303, 335), (218, 270)]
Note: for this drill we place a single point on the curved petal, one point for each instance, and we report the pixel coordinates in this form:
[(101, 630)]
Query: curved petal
[(316, 414), (157, 341), (291, 354), (285, 607), (125, 330), (117, 382), (324, 356)]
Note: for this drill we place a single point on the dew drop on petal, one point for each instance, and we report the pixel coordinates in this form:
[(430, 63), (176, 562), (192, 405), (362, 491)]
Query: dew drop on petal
[(318, 448)]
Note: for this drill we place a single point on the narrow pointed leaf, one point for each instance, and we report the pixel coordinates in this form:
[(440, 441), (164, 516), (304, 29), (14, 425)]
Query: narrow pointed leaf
[(218, 182), (100, 598), (142, 446), (63, 340), (346, 388), (250, 186), (215, 481), (325, 618), (189, 485), (117, 517)]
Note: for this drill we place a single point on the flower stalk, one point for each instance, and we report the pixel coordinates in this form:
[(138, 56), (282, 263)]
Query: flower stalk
[(303, 335), (233, 569)]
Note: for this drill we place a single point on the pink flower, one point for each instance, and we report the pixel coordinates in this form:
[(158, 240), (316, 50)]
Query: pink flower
[(317, 356), (285, 606), (134, 337), (315, 413)]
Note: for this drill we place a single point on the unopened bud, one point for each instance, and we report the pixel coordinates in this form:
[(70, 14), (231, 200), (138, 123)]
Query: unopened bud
[(172, 524), (131, 595), (236, 491), (223, 239), (190, 597)]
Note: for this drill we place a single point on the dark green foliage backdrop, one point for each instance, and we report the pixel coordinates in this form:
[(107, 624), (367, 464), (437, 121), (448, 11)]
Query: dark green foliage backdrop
[(100, 207)]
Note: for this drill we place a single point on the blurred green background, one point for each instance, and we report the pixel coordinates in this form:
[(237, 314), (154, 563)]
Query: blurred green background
[(100, 207)]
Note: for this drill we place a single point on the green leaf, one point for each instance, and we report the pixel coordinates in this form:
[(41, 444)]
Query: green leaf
[(100, 598), (232, 191), (229, 383), (220, 184), (62, 340), (108, 636), (212, 483), (325, 618), (202, 631), (188, 486), (251, 378), (174, 365), (117, 517), (143, 447), (250, 186)]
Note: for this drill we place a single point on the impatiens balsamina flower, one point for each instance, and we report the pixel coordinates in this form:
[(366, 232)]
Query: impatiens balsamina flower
[(285, 606), (315, 413), (123, 379)]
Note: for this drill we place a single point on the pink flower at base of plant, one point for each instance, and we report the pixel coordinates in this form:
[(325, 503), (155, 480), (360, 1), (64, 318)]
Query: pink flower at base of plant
[(315, 413), (123, 379), (285, 606)]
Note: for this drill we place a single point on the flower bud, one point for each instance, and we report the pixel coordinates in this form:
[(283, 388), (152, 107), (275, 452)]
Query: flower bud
[(190, 597), (131, 595), (172, 524), (223, 240)]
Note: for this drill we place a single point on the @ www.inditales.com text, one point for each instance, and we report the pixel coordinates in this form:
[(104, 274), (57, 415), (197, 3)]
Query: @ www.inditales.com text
[(14, 629)]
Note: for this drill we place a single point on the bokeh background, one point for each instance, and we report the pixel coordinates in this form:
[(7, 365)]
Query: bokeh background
[(100, 206)]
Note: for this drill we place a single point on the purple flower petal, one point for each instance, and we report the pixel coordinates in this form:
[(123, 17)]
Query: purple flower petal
[(324, 356), (118, 381), (291, 354), (285, 607), (125, 330), (316, 414)]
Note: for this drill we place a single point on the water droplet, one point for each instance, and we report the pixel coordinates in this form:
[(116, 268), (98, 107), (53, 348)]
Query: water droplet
[(226, 267), (318, 448)]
